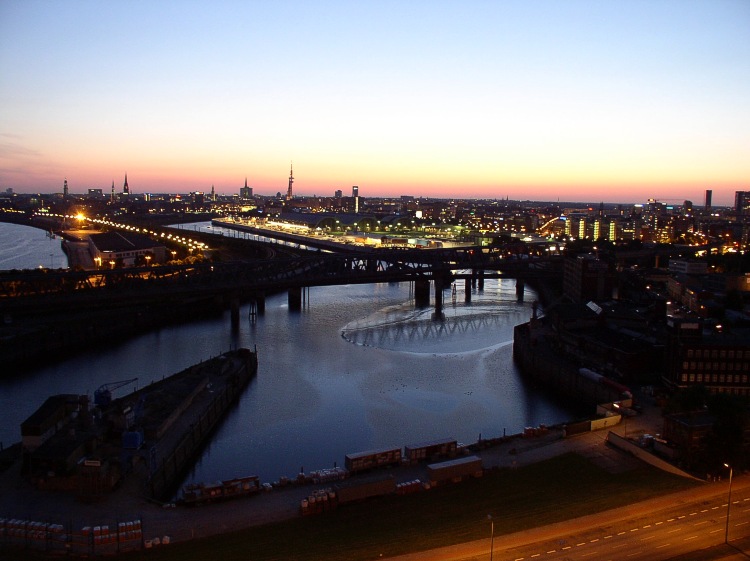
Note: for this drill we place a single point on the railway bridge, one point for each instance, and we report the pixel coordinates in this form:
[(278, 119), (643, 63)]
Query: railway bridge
[(237, 281)]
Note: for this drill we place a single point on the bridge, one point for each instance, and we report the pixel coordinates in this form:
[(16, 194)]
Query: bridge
[(237, 281)]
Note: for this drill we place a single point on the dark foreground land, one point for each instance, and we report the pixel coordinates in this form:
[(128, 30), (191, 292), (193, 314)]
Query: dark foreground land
[(550, 491)]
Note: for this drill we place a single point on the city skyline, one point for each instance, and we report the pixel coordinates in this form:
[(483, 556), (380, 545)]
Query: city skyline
[(590, 101)]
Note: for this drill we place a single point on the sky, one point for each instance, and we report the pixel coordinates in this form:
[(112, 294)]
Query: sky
[(588, 100)]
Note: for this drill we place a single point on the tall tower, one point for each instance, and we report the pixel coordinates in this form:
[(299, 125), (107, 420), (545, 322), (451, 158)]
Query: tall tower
[(112, 195), (709, 192), (65, 188), (213, 194), (291, 180), (125, 188), (742, 203)]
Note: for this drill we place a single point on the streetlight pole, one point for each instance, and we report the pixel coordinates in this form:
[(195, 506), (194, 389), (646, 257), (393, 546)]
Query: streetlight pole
[(624, 419), (492, 535), (729, 503)]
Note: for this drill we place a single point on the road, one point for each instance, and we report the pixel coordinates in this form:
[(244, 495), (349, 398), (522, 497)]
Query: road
[(688, 525)]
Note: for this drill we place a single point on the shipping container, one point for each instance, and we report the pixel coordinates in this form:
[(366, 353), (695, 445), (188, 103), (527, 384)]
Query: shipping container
[(364, 489), (453, 470), (445, 448), (362, 461)]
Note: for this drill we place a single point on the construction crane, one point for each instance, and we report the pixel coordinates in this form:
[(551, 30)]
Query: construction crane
[(103, 394)]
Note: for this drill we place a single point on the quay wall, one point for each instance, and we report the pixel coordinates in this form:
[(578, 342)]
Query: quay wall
[(555, 373), (174, 464)]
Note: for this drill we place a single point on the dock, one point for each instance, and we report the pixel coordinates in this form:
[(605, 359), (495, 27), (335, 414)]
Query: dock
[(152, 435)]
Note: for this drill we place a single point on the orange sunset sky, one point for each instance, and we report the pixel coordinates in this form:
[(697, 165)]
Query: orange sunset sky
[(613, 101)]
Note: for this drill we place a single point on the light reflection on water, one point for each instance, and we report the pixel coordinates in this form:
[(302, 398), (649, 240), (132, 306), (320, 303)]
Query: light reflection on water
[(358, 368)]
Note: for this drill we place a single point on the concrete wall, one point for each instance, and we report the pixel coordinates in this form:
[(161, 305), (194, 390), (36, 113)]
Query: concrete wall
[(628, 446)]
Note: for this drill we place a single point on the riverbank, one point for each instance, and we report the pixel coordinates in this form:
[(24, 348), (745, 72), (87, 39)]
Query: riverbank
[(283, 503)]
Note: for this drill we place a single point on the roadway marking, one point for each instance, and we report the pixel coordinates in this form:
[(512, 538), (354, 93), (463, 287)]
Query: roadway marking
[(741, 524), (618, 546), (536, 555), (714, 507), (663, 545), (594, 541), (680, 517), (670, 520), (693, 513), (702, 522), (651, 537), (580, 544), (607, 537), (552, 551), (633, 554), (748, 499), (648, 526), (690, 538), (704, 510), (621, 533), (673, 531), (589, 554), (717, 530), (658, 523), (566, 547), (634, 529)]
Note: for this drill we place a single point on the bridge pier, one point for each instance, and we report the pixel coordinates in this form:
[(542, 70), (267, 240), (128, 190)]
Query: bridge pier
[(467, 290), (520, 286), (422, 293), (294, 298), (481, 279), (260, 304), (234, 311), (439, 286)]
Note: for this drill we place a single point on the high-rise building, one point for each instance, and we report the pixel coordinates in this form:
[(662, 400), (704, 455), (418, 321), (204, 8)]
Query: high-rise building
[(742, 203), (355, 191), (65, 188), (709, 192), (355, 196)]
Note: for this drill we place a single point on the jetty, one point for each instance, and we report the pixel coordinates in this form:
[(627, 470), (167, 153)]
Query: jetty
[(152, 434)]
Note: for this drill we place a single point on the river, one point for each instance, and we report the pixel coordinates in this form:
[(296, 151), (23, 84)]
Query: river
[(358, 368)]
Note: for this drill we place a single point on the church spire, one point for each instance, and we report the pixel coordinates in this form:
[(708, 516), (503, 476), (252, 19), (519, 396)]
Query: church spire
[(125, 188)]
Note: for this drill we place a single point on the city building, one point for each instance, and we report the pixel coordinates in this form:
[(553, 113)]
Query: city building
[(125, 249), (718, 360), (587, 278), (742, 203), (246, 192)]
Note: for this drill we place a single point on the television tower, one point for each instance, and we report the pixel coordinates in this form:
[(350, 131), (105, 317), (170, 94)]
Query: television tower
[(291, 180)]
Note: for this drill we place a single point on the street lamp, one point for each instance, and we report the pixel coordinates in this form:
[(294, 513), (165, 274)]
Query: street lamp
[(729, 503), (492, 535)]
